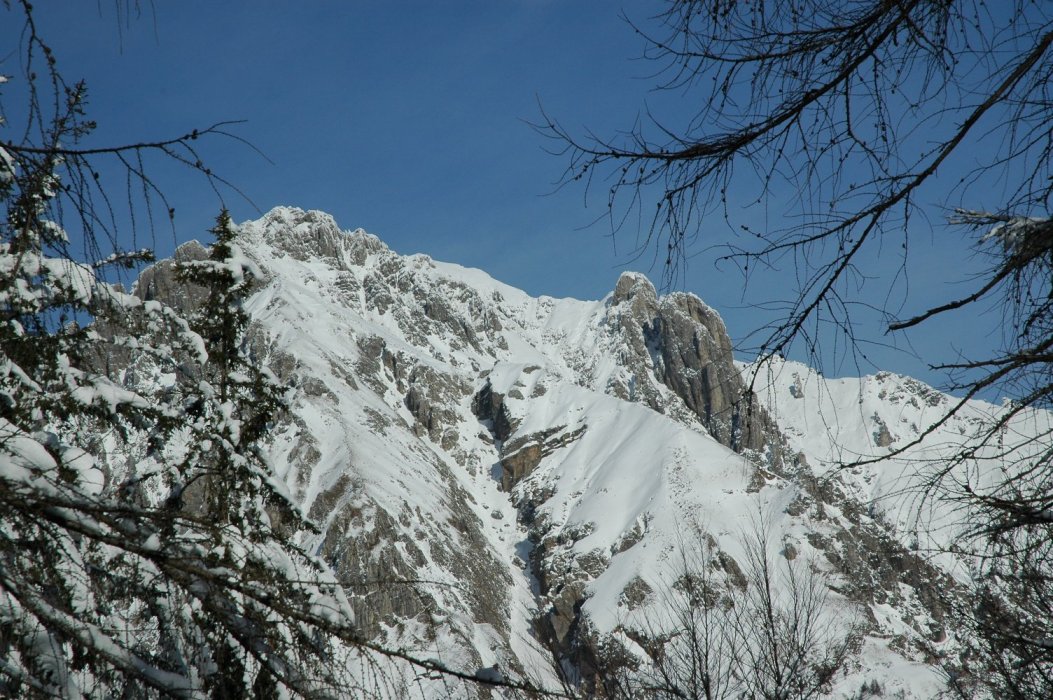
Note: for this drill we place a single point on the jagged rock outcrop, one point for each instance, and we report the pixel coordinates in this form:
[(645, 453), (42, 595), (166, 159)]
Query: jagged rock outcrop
[(520, 456), (161, 282), (488, 405), (314, 236), (685, 345), (429, 397)]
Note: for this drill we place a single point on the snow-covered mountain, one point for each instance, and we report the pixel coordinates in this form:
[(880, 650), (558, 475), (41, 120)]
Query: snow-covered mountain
[(508, 480)]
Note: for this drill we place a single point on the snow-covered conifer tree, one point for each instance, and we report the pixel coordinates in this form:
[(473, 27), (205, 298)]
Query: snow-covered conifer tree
[(109, 585), (243, 394)]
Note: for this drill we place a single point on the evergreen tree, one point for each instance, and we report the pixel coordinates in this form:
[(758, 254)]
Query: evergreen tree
[(245, 395), (108, 588)]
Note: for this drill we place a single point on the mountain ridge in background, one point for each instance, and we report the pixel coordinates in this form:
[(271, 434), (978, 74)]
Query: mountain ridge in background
[(508, 481)]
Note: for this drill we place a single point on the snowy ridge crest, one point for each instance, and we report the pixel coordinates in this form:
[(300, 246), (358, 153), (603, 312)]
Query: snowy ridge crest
[(532, 464), (306, 234)]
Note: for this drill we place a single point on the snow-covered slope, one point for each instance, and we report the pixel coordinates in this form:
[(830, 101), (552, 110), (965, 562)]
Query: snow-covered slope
[(511, 480), (847, 421)]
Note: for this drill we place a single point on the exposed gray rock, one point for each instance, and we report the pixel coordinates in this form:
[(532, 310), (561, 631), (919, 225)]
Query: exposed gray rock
[(697, 364), (635, 593), (160, 281), (519, 457), (684, 345), (488, 405), (371, 350), (377, 563), (430, 397), (563, 615), (882, 436), (312, 235)]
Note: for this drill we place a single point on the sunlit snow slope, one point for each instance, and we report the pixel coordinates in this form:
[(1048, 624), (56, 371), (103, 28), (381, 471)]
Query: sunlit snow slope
[(511, 480)]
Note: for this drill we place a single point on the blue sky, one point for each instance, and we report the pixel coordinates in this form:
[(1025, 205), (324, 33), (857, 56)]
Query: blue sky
[(409, 119)]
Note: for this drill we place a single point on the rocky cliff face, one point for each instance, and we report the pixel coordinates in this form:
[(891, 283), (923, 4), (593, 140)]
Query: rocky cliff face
[(680, 341), (503, 479)]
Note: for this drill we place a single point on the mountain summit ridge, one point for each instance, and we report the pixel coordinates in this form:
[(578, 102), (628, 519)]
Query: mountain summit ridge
[(507, 479)]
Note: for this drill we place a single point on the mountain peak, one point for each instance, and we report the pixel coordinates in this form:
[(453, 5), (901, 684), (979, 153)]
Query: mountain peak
[(313, 234), (633, 284), (545, 455)]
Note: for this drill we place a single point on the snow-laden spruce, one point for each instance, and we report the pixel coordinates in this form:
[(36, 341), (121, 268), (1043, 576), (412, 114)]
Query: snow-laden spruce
[(110, 584)]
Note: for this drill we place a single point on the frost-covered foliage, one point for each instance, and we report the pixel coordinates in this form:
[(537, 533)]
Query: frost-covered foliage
[(111, 582), (238, 396)]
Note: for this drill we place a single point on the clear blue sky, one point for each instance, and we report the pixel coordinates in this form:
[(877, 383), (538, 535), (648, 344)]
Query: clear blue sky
[(408, 119)]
